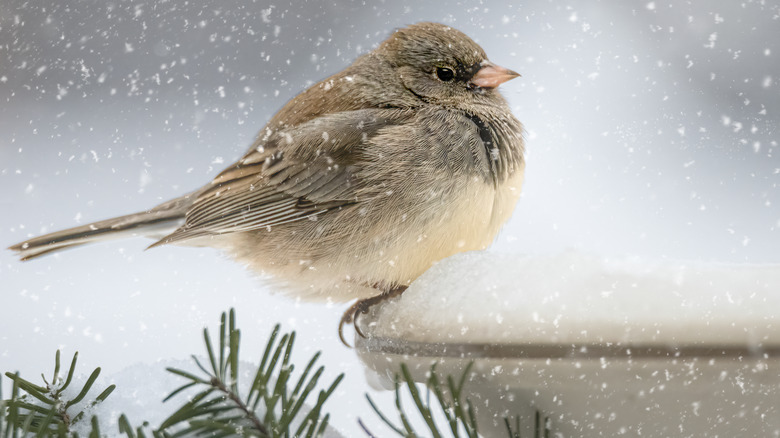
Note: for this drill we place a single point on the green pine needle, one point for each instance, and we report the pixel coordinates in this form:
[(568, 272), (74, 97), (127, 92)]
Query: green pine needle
[(460, 421), (220, 410), (20, 416)]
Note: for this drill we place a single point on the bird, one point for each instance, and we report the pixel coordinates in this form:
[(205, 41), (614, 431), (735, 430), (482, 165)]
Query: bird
[(358, 184)]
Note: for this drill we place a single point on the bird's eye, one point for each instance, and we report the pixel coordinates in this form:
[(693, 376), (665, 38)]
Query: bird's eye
[(445, 74)]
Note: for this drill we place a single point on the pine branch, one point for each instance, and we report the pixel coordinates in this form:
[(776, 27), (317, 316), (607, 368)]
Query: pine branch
[(43, 410), (248, 413), (219, 408), (460, 415)]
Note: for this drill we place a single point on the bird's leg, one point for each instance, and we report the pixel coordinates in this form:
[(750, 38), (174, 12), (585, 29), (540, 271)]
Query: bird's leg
[(362, 306)]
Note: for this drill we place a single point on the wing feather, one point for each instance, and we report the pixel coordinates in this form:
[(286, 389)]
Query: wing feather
[(289, 174)]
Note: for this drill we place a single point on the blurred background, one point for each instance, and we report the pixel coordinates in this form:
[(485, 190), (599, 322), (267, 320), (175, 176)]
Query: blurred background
[(652, 133)]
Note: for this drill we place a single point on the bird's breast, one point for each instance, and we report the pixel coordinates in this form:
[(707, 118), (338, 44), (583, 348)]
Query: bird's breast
[(467, 220)]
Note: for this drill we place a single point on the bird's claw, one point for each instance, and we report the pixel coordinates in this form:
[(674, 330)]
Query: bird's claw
[(361, 307)]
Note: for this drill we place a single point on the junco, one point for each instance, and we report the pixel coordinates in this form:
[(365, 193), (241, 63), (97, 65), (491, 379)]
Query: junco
[(361, 182)]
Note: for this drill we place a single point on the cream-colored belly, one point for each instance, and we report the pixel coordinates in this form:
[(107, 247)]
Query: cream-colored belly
[(470, 222)]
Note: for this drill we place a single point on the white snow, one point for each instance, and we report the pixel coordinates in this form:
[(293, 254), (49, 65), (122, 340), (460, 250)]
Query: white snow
[(576, 298)]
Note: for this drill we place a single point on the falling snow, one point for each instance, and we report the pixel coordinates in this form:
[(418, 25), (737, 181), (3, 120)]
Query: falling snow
[(651, 132)]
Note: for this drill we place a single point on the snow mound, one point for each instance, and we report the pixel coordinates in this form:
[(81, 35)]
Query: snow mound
[(573, 298)]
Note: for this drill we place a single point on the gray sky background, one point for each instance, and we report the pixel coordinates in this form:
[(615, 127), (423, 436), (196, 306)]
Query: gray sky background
[(652, 133)]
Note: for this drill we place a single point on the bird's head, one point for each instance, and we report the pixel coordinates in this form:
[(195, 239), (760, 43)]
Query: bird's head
[(442, 65)]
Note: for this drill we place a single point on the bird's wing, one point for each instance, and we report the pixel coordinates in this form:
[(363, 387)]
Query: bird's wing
[(290, 174)]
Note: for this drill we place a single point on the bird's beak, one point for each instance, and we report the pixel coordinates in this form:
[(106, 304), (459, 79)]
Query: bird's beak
[(491, 75)]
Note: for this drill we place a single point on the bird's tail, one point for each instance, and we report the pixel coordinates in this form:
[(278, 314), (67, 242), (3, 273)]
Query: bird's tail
[(157, 222)]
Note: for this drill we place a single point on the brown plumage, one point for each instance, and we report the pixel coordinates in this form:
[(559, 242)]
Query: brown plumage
[(361, 182)]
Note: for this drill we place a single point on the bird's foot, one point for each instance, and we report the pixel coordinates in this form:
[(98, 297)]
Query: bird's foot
[(361, 307)]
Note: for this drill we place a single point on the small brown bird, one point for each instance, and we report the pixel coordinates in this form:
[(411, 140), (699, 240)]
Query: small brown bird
[(361, 182)]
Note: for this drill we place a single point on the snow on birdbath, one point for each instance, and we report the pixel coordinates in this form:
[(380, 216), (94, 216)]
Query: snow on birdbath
[(600, 346)]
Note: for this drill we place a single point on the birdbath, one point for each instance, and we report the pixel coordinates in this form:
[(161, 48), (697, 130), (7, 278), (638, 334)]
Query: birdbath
[(600, 347)]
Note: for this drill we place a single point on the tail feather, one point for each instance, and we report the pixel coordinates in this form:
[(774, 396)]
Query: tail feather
[(157, 222)]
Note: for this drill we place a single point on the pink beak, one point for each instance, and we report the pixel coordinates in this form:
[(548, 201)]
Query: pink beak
[(492, 75)]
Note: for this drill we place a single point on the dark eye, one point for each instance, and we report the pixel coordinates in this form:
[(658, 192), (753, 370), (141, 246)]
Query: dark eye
[(445, 74)]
